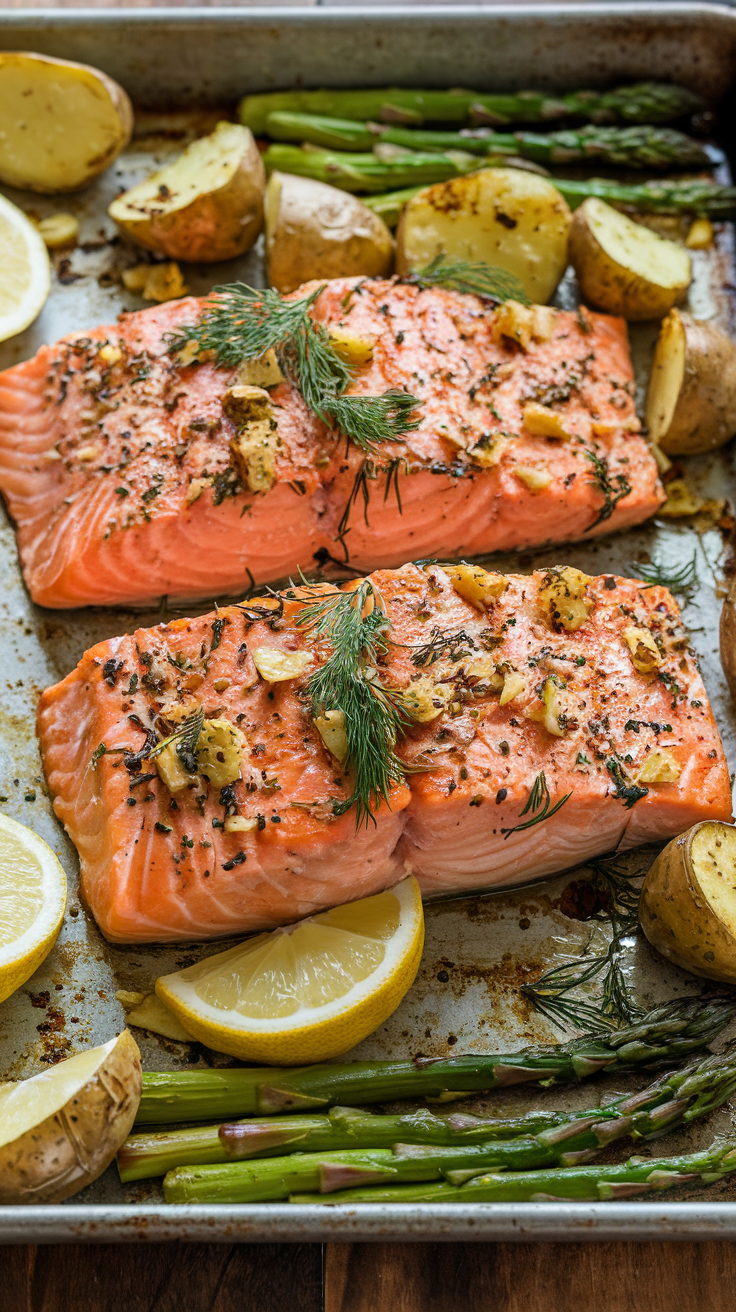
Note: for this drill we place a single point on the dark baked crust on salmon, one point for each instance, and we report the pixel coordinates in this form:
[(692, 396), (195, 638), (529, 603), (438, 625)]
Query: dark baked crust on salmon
[(118, 465)]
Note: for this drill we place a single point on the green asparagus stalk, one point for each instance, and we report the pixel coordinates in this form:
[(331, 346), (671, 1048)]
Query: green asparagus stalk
[(698, 196), (148, 1154), (367, 172), (641, 147), (672, 1101), (665, 1034), (644, 102), (634, 1178)]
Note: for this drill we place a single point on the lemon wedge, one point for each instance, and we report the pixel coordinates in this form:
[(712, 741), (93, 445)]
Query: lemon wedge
[(25, 272), (32, 902), (307, 992)]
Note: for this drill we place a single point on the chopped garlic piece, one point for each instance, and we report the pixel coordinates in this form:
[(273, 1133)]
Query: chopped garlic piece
[(195, 490), (170, 769), (59, 230), (541, 421), (263, 372), (128, 998), (535, 479), (355, 351), (660, 767), (257, 440), (513, 684), (489, 450), (239, 824), (425, 700), (645, 653), (608, 427), (110, 354), (478, 586), (156, 282), (275, 665), (680, 501), (87, 453), (220, 752), (552, 711), (563, 593), (700, 236), (331, 729), (523, 323)]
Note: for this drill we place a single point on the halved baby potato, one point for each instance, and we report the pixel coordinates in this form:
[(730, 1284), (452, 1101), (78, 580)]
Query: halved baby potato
[(688, 901), (691, 403), (207, 205), (317, 231), (623, 267), (61, 1129), (508, 218), (61, 123)]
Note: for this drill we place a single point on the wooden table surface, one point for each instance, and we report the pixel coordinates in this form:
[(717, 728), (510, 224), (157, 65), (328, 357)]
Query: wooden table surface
[(362, 1277)]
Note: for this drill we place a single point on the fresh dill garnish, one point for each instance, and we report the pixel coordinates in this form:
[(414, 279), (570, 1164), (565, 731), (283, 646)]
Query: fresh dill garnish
[(477, 279), (539, 805), (355, 625), (455, 646), (678, 581), (553, 993), (242, 323), (186, 738), (613, 489)]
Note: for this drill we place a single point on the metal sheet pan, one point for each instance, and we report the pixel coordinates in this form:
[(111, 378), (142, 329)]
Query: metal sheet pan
[(478, 949)]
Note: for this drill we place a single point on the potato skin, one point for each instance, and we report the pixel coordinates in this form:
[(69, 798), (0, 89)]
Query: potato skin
[(217, 225), (608, 285), (17, 177), (316, 231), (705, 413), (677, 919), (72, 1148)]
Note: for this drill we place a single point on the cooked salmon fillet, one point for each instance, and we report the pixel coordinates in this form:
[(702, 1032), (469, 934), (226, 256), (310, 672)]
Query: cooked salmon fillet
[(125, 475), (551, 717)]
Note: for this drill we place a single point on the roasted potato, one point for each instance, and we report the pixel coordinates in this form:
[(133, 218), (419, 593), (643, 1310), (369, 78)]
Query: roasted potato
[(205, 206), (623, 267), (688, 902), (316, 231), (62, 1128), (691, 403), (514, 220), (62, 123)]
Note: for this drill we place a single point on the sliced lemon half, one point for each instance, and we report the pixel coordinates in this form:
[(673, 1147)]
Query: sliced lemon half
[(32, 902), (25, 272), (307, 992)]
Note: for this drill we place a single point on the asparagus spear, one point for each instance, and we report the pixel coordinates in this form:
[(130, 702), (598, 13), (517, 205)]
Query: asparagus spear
[(664, 1034), (697, 196), (144, 1155), (673, 1100), (644, 102), (631, 147), (631, 1179)]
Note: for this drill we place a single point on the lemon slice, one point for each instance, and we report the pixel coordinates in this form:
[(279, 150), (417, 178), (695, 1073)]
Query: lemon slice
[(307, 992), (32, 902), (25, 272)]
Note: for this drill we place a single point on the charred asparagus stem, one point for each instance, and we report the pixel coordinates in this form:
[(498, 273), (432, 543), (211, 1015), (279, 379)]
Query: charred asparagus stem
[(144, 1155), (698, 197), (674, 1100), (633, 147), (667, 1033), (635, 1178), (644, 102)]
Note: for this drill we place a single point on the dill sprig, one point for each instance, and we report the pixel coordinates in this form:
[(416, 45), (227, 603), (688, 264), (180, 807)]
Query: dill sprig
[(613, 489), (455, 646), (679, 581), (242, 323), (477, 279), (554, 993), (539, 805), (355, 625)]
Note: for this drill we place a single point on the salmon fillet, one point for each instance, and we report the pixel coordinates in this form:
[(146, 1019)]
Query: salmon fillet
[(556, 718), (122, 474)]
